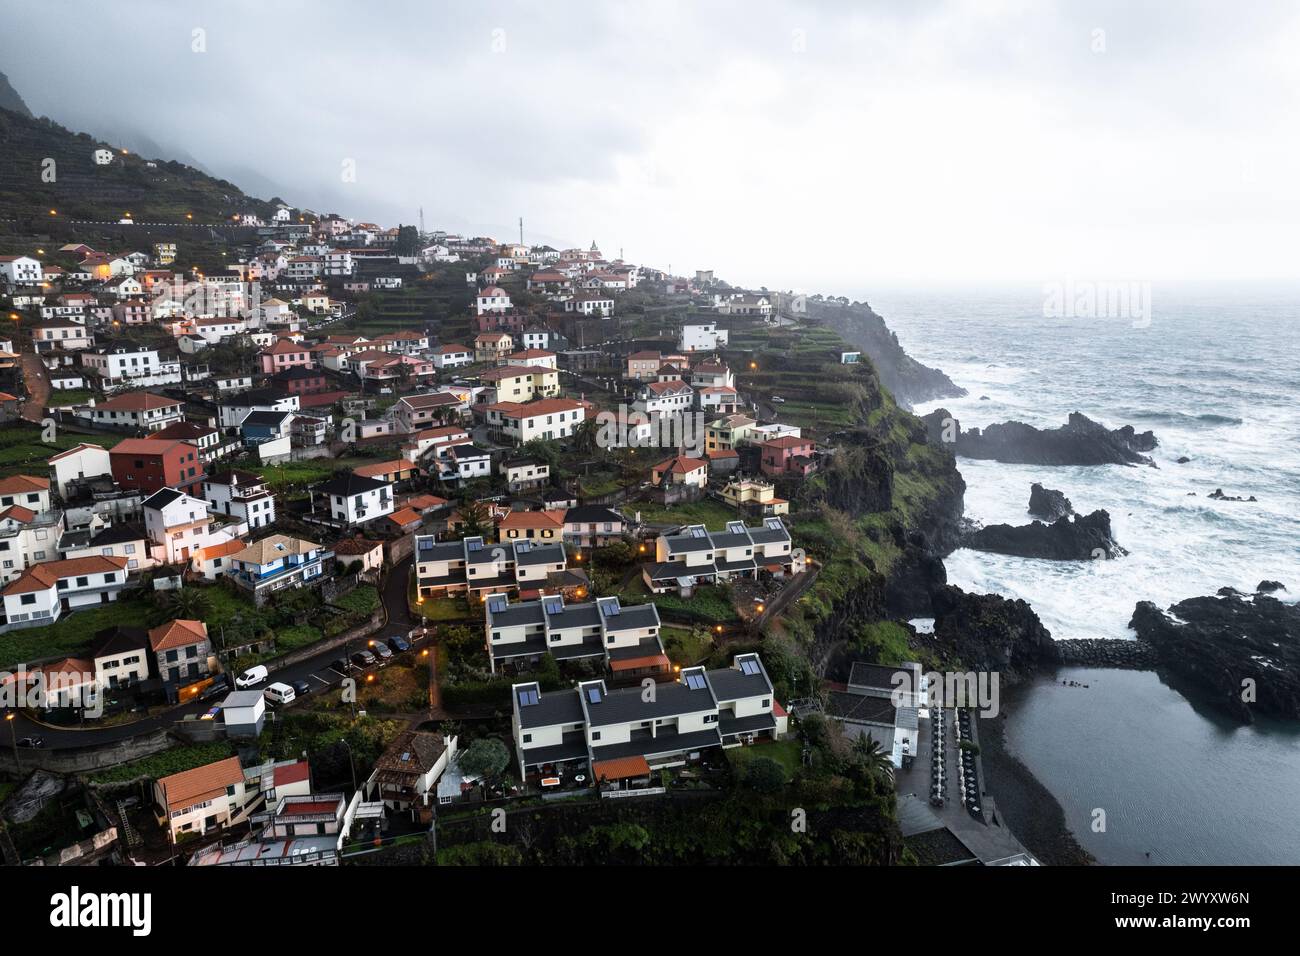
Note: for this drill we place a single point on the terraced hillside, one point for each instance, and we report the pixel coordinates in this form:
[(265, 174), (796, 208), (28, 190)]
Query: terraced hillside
[(83, 189)]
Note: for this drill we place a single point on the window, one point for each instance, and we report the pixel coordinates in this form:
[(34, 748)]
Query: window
[(29, 599)]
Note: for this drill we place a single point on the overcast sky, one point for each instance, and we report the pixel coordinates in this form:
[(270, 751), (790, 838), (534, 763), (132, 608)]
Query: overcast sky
[(820, 147)]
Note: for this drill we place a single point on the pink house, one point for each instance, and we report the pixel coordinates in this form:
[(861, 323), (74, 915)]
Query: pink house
[(787, 456), (284, 354)]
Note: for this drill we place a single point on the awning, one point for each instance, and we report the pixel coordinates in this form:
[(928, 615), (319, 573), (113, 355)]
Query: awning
[(635, 663), (621, 768)]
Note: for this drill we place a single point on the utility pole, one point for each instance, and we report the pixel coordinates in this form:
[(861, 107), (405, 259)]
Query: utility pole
[(521, 230)]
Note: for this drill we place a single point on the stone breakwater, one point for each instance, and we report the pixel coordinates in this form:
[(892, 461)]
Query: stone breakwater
[(1108, 652)]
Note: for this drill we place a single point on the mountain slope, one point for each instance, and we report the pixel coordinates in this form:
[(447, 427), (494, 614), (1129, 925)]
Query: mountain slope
[(83, 189), (10, 100)]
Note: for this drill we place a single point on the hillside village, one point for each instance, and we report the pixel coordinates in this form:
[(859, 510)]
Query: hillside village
[(450, 476)]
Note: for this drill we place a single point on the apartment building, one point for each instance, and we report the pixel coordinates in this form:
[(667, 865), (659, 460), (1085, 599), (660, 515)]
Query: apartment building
[(626, 639), (622, 734), (476, 567), (699, 556)]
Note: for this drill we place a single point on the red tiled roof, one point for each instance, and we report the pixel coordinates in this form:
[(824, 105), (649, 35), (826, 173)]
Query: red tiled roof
[(620, 768)]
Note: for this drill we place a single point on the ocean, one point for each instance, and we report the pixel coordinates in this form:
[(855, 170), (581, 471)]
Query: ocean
[(1214, 372)]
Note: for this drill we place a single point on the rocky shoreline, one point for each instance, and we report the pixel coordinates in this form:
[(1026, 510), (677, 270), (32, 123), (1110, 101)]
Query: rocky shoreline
[(1080, 441)]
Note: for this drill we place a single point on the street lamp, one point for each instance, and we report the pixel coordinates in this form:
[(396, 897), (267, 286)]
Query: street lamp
[(352, 763), (13, 733)]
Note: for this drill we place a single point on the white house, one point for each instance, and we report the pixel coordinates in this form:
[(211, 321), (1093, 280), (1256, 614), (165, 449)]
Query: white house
[(44, 592), (546, 418), (702, 338), (177, 525), (79, 461), (492, 299), (142, 411), (451, 356), (354, 499), (20, 270), (129, 365), (242, 494)]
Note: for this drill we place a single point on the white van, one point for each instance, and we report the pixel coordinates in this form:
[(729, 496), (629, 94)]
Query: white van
[(279, 693), (254, 675)]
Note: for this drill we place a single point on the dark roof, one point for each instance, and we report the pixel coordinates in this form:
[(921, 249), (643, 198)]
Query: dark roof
[(625, 705), (162, 498), (591, 514), (265, 418), (255, 396), (731, 683), (860, 708), (349, 483), (553, 707), (119, 640)]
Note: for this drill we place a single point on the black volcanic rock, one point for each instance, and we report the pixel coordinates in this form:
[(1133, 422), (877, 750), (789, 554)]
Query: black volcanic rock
[(987, 632), (1081, 441), (1218, 643), (1268, 587), (1077, 538), (1048, 504), (1218, 495)]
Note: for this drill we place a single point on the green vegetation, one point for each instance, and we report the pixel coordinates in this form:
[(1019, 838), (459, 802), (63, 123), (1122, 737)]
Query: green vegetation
[(62, 397), (165, 763), (73, 632), (23, 452), (785, 753), (709, 512), (686, 645), (710, 604)]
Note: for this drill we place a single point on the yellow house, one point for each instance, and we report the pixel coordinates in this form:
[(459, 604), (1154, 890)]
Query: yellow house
[(758, 497)]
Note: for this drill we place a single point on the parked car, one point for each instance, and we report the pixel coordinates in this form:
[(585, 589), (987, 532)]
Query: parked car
[(381, 651), (32, 742), (343, 665), (399, 643), (363, 659), (279, 693), (220, 685), (778, 399), (300, 687), (252, 676)]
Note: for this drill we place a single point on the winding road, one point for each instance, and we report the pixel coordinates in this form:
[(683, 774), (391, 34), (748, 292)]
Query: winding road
[(315, 670)]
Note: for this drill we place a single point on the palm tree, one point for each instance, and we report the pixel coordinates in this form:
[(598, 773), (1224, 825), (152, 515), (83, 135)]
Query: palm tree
[(874, 761), (189, 603), (584, 437)]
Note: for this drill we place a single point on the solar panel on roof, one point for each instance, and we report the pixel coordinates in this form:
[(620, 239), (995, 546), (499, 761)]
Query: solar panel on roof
[(497, 603), (695, 681), (593, 695), (553, 605), (474, 544), (528, 697), (611, 608), (749, 667)]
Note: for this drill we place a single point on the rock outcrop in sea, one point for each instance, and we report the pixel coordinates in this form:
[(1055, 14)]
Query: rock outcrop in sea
[(1048, 504), (1081, 441), (1069, 538), (1243, 651), (987, 632)]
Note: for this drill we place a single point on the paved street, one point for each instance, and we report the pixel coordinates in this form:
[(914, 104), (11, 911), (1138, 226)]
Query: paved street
[(315, 670)]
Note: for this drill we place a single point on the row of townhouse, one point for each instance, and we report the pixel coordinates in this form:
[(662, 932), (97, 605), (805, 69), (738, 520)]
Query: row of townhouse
[(696, 555), (627, 639), (618, 735), (476, 567)]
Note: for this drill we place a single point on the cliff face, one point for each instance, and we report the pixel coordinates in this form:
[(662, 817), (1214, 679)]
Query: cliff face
[(879, 517), (907, 379), (10, 100)]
